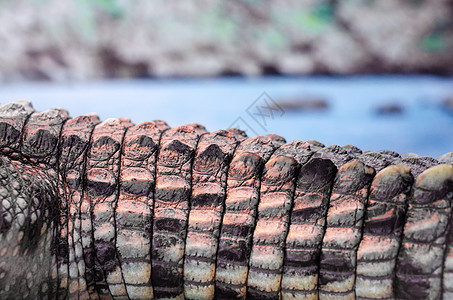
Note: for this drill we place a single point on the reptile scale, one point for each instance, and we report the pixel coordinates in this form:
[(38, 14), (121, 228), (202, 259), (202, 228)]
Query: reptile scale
[(113, 210)]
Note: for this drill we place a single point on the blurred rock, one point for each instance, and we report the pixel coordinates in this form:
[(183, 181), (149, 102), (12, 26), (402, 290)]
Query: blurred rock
[(390, 109), (448, 104), (303, 105)]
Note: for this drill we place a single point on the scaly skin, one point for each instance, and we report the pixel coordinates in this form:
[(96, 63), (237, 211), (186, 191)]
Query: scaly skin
[(110, 210)]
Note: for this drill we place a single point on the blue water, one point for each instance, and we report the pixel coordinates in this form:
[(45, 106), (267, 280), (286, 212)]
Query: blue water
[(424, 127)]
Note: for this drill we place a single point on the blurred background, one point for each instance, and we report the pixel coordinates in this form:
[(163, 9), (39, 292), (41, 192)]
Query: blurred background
[(377, 74)]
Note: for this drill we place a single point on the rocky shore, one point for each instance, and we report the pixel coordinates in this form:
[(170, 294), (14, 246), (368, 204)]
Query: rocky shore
[(67, 39)]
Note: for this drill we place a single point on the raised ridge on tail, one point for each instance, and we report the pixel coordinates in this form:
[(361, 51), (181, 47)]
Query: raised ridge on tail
[(100, 210)]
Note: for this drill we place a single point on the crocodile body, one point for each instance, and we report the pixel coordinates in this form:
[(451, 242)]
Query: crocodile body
[(113, 210)]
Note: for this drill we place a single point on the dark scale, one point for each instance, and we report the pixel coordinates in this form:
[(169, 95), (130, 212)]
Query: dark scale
[(376, 160), (338, 155), (101, 192), (171, 208), (344, 229), (276, 200), (12, 121), (306, 229), (382, 230), (420, 263), (74, 143), (135, 206), (239, 219), (209, 180), (417, 164)]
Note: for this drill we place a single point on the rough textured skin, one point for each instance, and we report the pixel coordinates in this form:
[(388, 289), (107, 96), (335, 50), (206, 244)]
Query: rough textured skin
[(171, 208), (74, 143), (113, 210), (209, 181), (135, 206)]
